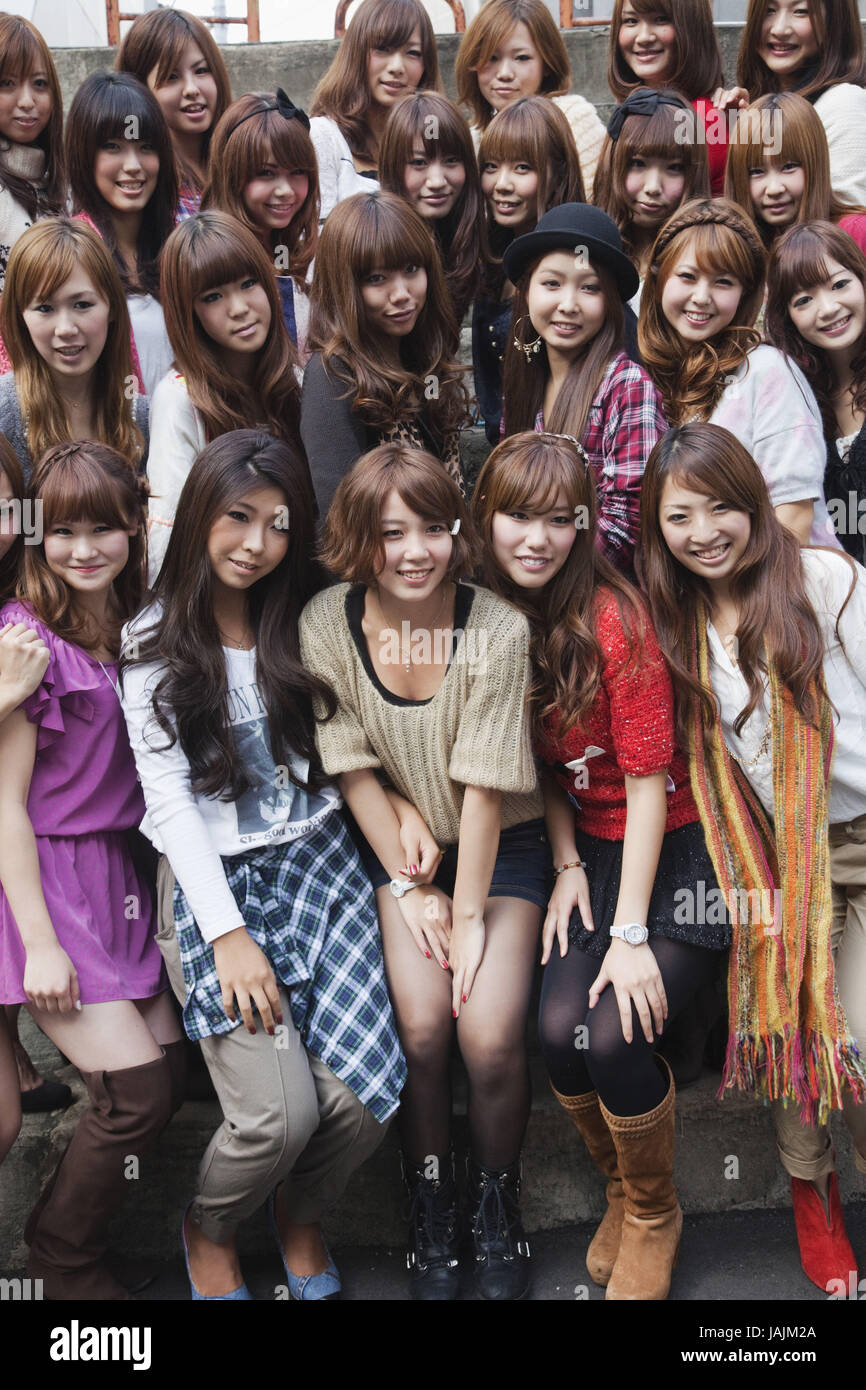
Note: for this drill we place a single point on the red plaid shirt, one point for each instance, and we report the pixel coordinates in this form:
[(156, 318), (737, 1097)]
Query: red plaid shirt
[(625, 423)]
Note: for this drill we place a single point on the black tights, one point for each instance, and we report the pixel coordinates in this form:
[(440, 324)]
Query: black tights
[(624, 1074)]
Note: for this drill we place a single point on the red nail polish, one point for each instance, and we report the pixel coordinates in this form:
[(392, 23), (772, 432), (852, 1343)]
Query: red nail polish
[(428, 955), (464, 999), (453, 1013), (444, 965)]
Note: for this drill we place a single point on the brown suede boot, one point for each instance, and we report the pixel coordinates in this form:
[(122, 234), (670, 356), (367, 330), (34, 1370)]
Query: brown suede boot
[(129, 1110), (585, 1114), (653, 1222)]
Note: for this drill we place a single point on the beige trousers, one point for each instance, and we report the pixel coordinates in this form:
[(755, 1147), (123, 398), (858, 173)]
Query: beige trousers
[(286, 1116), (807, 1152)]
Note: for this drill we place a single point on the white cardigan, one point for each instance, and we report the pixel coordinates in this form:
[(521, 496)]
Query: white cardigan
[(338, 177), (177, 434), (843, 113)]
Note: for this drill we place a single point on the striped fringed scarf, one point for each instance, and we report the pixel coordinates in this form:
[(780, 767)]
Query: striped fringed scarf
[(788, 1035)]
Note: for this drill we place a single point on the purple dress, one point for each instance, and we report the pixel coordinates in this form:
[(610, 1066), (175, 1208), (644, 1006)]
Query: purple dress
[(84, 797)]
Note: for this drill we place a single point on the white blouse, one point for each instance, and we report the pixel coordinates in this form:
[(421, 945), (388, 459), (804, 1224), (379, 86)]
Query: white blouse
[(828, 577)]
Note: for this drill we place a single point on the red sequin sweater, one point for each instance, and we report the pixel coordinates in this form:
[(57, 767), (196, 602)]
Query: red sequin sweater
[(629, 731)]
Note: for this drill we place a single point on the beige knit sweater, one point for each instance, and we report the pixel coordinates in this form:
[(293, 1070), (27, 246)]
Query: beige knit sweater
[(473, 732)]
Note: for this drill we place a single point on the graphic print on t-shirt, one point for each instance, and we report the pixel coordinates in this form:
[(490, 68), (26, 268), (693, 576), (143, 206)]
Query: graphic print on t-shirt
[(272, 807)]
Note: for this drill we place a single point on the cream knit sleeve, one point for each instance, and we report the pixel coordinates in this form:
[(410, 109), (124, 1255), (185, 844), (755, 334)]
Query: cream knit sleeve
[(326, 651), (492, 747)]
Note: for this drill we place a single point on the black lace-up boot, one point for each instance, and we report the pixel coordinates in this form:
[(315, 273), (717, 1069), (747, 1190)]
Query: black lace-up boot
[(433, 1254), (502, 1265)]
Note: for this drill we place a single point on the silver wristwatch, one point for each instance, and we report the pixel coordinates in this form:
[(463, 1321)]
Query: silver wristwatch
[(400, 889), (632, 932)]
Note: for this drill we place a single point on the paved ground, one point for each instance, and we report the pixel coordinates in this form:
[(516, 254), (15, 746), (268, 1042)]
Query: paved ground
[(750, 1256)]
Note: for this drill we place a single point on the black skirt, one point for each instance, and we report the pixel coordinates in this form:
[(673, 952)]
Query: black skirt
[(686, 903)]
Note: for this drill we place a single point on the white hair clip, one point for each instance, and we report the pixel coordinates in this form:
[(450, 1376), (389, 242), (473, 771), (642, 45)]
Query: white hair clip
[(456, 527)]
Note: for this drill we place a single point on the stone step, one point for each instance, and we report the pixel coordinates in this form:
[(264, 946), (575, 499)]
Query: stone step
[(725, 1161)]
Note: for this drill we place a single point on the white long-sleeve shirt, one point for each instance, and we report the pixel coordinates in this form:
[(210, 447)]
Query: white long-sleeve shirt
[(842, 109), (196, 831), (338, 177), (828, 579)]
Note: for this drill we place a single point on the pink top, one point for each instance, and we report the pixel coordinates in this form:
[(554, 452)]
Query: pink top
[(84, 784), (855, 225)]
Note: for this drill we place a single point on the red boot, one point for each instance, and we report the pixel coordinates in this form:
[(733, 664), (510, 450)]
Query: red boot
[(825, 1250)]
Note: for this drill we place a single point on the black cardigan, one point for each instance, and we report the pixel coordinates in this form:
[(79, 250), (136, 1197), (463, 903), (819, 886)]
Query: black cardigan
[(840, 480)]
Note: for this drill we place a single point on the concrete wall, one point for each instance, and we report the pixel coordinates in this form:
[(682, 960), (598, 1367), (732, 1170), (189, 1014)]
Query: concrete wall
[(298, 66)]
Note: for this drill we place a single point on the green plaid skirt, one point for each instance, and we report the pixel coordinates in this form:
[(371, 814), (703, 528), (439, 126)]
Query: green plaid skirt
[(308, 904)]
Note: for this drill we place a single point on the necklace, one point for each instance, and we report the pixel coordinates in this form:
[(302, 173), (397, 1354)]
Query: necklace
[(408, 662), (111, 681), (762, 749), (233, 641)]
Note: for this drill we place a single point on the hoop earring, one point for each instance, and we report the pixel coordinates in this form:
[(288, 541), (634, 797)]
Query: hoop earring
[(529, 350)]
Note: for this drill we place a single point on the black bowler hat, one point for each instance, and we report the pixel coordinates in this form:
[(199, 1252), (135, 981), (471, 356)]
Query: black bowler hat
[(566, 228)]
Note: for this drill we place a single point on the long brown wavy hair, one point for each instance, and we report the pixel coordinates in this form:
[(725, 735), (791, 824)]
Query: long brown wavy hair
[(85, 481), (24, 51), (776, 620), (839, 34), (698, 69), (461, 235), (534, 131), (798, 262), (491, 27), (191, 698), (343, 92), (525, 381), (803, 141), (527, 472), (248, 137), (157, 39), (381, 230), (42, 259), (212, 249), (10, 563), (658, 136), (721, 239)]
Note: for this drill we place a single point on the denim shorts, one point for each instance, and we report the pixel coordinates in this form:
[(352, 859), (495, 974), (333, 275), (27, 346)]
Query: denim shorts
[(523, 868)]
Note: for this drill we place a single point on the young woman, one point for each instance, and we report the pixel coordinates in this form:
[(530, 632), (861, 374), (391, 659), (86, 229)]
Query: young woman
[(174, 54), (513, 48), (263, 904), (779, 169), (384, 340), (31, 136), (64, 320), (234, 365), (816, 315), (76, 936), (766, 646), (124, 185), (698, 343), (565, 368), (430, 677), (672, 44), (647, 170), (528, 165), (814, 47), (601, 692), (389, 50), (427, 158), (264, 173)]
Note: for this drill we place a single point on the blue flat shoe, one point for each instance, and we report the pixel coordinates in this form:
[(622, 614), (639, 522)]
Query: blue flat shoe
[(236, 1296), (306, 1288)]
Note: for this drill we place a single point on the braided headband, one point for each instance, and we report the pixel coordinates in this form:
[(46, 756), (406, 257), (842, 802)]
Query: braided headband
[(643, 102), (716, 212), (282, 104)]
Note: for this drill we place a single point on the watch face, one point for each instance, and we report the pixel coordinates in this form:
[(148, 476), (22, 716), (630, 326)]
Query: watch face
[(636, 935)]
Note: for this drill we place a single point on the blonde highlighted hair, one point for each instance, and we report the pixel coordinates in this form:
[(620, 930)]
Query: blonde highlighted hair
[(42, 259), (719, 239)]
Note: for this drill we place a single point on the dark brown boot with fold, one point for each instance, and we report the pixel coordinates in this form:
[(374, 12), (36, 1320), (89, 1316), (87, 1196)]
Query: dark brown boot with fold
[(129, 1109)]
